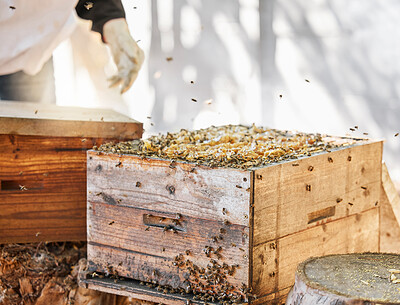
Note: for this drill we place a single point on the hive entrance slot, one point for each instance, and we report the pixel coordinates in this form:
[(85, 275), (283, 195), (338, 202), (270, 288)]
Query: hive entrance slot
[(20, 185), (166, 223), (321, 214)]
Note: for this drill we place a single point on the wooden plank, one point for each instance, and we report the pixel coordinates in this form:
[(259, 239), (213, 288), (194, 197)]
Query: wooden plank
[(145, 251), (132, 289), (320, 188), (389, 226), (354, 233), (43, 188), (391, 192), (265, 268), (389, 241), (275, 298), (51, 120), (196, 191)]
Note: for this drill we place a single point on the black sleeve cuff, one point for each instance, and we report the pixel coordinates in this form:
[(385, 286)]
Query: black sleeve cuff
[(99, 12)]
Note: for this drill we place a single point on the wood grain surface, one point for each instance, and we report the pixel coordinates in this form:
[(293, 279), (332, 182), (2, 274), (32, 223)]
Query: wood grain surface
[(51, 120), (275, 263), (43, 188), (318, 189)]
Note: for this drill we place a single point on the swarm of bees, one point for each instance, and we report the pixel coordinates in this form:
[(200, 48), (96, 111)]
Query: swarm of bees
[(234, 146), (208, 284)]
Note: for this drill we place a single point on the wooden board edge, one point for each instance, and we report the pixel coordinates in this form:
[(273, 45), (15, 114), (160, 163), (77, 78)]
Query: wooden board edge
[(132, 288), (391, 192), (153, 161), (67, 128), (251, 229)]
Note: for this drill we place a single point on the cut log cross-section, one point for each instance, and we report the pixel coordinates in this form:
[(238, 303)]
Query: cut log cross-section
[(348, 279)]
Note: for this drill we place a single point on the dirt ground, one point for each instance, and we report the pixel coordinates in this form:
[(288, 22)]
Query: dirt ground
[(46, 273)]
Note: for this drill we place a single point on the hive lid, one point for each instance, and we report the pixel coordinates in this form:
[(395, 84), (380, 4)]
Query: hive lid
[(21, 118)]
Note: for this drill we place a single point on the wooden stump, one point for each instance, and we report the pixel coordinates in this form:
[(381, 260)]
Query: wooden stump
[(348, 279)]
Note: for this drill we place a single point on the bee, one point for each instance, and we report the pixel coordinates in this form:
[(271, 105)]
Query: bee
[(169, 59), (280, 96), (171, 189), (187, 252), (330, 160), (308, 187), (259, 176), (175, 222), (233, 244), (350, 203), (178, 216), (338, 200), (224, 211), (111, 223), (172, 164), (226, 222), (352, 129), (222, 230), (238, 186), (147, 228), (22, 187), (307, 81), (396, 134), (118, 164), (349, 158), (295, 164), (364, 187), (194, 100), (138, 184), (88, 5)]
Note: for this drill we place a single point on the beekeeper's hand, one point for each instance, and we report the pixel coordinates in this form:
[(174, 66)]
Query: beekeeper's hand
[(127, 55)]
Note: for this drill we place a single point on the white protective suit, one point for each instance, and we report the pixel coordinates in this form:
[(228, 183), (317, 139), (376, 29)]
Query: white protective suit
[(30, 30)]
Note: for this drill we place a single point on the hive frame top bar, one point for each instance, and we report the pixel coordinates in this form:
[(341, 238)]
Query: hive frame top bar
[(360, 141)]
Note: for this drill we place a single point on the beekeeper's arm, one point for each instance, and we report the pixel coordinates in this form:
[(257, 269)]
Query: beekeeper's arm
[(108, 17)]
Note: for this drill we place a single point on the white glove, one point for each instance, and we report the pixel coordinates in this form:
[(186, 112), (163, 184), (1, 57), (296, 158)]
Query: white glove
[(127, 55)]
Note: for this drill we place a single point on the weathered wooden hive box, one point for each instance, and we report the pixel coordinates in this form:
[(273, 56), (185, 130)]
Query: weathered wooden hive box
[(237, 231), (43, 167)]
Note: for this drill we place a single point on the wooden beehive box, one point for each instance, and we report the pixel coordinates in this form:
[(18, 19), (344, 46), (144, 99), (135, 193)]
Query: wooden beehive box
[(150, 219), (43, 167)]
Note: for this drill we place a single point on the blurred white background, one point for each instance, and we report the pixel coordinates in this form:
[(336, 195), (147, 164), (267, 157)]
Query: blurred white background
[(249, 61)]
